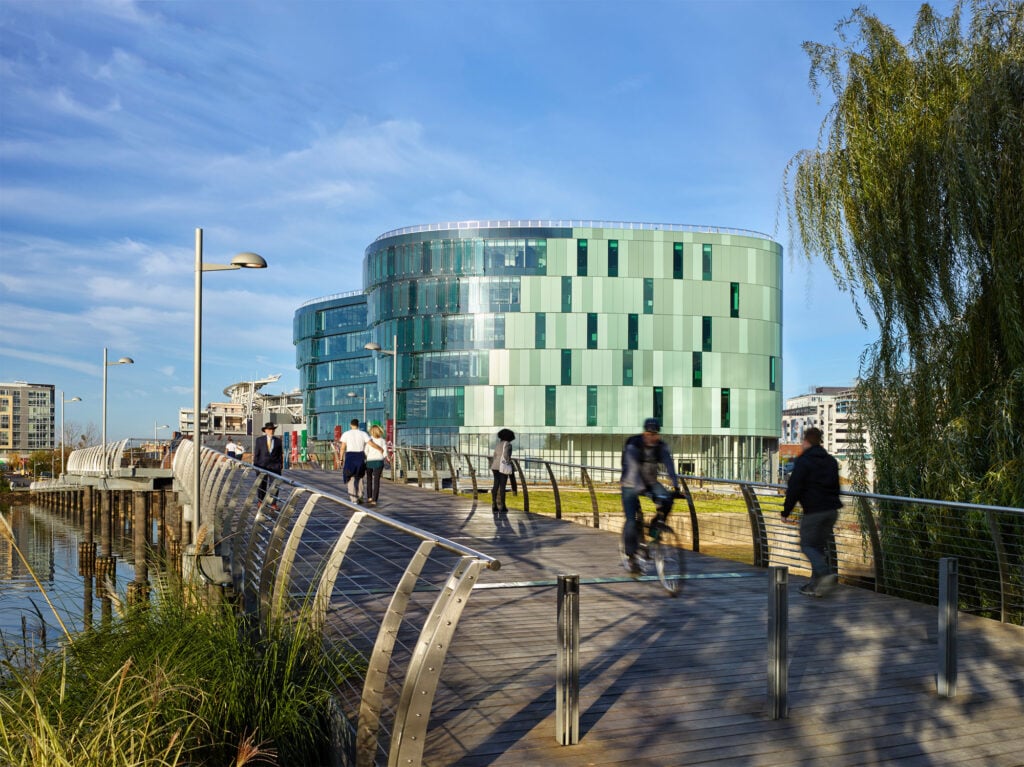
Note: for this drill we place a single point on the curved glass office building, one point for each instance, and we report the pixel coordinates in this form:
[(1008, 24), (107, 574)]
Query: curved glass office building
[(570, 333)]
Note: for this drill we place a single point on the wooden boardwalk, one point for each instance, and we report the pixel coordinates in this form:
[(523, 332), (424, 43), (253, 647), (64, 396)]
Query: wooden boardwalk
[(684, 681)]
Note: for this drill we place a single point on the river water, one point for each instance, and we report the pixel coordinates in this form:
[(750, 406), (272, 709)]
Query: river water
[(49, 544)]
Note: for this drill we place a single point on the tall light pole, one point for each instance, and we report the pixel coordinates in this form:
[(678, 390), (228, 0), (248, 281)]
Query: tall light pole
[(62, 403), (241, 261), (122, 361), (156, 428), (355, 394), (393, 351)]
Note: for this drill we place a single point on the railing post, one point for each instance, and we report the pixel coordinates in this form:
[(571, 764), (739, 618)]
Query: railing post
[(948, 599), (567, 685), (778, 640)]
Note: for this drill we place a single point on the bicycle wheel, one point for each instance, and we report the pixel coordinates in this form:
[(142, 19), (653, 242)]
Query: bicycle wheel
[(667, 553)]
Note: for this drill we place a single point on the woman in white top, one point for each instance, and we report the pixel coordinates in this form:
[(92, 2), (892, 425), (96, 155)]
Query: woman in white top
[(376, 450), (501, 468)]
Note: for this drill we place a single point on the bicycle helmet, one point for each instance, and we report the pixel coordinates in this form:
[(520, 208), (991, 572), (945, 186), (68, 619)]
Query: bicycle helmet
[(652, 425)]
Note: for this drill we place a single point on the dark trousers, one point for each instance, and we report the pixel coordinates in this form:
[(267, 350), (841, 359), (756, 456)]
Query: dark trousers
[(373, 474), (815, 536), (498, 491)]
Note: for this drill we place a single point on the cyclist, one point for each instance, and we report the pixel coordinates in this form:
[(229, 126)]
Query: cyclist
[(642, 456)]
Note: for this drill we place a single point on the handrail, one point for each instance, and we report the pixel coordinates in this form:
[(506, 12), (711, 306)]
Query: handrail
[(889, 543), (353, 573)]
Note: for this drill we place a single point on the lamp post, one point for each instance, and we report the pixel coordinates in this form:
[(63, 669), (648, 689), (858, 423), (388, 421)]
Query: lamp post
[(157, 428), (241, 261), (122, 361), (62, 403), (393, 351), (356, 394)]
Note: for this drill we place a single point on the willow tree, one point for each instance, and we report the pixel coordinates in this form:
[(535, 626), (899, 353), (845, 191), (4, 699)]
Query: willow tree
[(914, 197)]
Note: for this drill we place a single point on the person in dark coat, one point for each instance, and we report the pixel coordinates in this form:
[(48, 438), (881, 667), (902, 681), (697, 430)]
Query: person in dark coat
[(268, 454), (814, 484)]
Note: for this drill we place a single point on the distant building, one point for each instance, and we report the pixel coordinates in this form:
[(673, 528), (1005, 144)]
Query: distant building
[(26, 417), (248, 403), (833, 409)]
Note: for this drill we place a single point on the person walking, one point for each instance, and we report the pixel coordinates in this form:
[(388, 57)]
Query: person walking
[(501, 468), (232, 449), (643, 455), (268, 454), (814, 484), (353, 459), (376, 451)]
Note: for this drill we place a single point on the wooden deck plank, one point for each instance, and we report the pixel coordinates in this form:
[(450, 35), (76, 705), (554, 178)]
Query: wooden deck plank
[(683, 681)]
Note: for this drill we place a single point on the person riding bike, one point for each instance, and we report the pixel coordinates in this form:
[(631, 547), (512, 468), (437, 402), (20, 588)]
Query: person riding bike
[(642, 456)]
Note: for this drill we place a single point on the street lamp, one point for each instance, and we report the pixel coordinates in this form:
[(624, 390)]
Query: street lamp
[(62, 403), (373, 346), (122, 361), (241, 261), (156, 428), (356, 394)]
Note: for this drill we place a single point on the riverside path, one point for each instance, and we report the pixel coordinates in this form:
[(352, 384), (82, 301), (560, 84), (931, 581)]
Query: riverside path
[(666, 682)]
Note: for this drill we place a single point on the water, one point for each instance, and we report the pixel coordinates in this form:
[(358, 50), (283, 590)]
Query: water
[(50, 545)]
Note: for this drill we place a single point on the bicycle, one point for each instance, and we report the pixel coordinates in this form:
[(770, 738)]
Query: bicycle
[(664, 550)]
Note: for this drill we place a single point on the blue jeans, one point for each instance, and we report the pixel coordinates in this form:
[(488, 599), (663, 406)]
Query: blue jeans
[(815, 533), (662, 498)]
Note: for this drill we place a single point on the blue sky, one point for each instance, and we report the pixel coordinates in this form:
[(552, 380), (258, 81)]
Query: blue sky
[(303, 130)]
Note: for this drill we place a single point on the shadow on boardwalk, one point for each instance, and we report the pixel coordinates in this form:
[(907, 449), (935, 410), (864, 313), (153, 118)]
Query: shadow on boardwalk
[(683, 681)]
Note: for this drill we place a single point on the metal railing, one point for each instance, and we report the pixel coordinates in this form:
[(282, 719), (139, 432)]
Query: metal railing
[(115, 458), (890, 544), (390, 592)]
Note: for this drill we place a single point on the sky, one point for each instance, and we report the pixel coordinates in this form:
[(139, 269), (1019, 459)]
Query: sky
[(303, 130)]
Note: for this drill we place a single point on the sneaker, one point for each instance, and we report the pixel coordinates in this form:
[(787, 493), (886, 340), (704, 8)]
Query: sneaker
[(633, 567), (809, 590), (826, 585)]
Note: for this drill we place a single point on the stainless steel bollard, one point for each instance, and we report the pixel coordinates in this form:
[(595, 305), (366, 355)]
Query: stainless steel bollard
[(567, 686), (945, 682), (778, 641)]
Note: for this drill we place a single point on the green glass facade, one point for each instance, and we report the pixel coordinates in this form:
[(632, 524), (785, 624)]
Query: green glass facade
[(569, 334)]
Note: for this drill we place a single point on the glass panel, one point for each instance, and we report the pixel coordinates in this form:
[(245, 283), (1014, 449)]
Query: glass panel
[(658, 409), (613, 258), (698, 373), (581, 258), (591, 330), (540, 332), (550, 405), (627, 368), (566, 367), (499, 405), (705, 334), (591, 406), (567, 294), (677, 260), (648, 295), (734, 299), (633, 334), (725, 409), (706, 270), (771, 374)]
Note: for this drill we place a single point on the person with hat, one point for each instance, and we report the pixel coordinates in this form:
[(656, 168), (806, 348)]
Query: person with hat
[(642, 457), (268, 454)]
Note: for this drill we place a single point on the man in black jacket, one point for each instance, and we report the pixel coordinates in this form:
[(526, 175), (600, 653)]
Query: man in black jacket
[(268, 453), (814, 483)]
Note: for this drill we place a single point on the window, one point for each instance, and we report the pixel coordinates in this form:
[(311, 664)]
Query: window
[(705, 334), (591, 330), (706, 261), (613, 258), (591, 406), (677, 261), (540, 331), (633, 333), (648, 295), (567, 294), (734, 299), (658, 406), (550, 405), (499, 405), (725, 408), (566, 367), (771, 374), (581, 258), (627, 368), (698, 373)]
